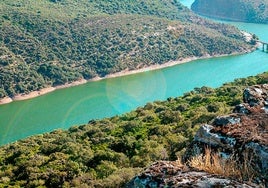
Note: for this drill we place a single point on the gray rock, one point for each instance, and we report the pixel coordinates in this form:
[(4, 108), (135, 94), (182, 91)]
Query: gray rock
[(265, 109), (205, 135), (241, 108), (242, 135), (224, 120), (256, 95), (154, 177), (261, 153)]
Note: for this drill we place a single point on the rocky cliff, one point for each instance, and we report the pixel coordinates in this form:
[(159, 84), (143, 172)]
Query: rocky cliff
[(240, 138), (237, 10)]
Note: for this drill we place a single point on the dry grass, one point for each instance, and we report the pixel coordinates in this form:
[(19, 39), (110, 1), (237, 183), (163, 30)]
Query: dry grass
[(214, 164)]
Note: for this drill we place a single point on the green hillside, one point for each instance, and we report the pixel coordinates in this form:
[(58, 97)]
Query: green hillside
[(237, 10), (109, 152), (52, 42)]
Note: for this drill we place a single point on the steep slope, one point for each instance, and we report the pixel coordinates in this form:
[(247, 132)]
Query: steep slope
[(48, 43), (236, 10), (109, 152)]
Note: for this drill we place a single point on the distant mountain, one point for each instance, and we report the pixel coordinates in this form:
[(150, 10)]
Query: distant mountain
[(52, 42), (236, 10)]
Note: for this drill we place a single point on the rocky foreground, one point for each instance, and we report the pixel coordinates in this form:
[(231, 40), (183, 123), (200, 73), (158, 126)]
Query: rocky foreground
[(241, 137)]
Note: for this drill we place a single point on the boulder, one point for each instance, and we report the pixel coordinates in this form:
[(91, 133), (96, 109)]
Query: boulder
[(205, 135), (255, 99), (225, 120), (256, 95)]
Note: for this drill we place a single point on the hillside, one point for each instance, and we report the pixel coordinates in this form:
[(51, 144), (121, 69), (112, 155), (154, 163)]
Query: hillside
[(237, 10), (109, 152), (230, 151), (52, 42)]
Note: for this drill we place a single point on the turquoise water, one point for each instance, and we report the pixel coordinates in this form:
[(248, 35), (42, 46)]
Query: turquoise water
[(77, 105), (187, 3)]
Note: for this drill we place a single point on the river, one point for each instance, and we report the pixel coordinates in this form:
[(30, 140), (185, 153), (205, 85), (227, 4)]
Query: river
[(77, 105)]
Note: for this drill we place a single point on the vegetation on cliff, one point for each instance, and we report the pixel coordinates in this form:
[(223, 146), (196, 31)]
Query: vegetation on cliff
[(237, 10), (52, 42), (109, 152)]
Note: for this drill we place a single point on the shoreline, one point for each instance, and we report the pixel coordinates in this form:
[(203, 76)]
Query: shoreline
[(224, 18), (126, 72)]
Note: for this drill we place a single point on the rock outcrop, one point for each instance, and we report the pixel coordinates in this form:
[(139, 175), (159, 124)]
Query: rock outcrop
[(236, 10), (241, 136), (173, 174)]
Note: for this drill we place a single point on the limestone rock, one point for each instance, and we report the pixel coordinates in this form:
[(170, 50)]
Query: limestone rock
[(205, 135), (171, 174), (243, 134), (242, 109), (255, 100), (225, 120), (256, 95)]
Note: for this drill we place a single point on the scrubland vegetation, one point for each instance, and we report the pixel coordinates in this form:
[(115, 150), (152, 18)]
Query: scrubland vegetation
[(255, 11), (52, 42), (110, 151)]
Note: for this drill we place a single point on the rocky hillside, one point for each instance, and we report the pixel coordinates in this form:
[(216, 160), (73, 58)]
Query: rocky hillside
[(238, 141), (53, 42), (175, 174), (236, 10)]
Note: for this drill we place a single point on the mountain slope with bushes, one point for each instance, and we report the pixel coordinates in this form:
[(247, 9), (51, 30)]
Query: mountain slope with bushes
[(109, 152), (237, 10), (53, 42)]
